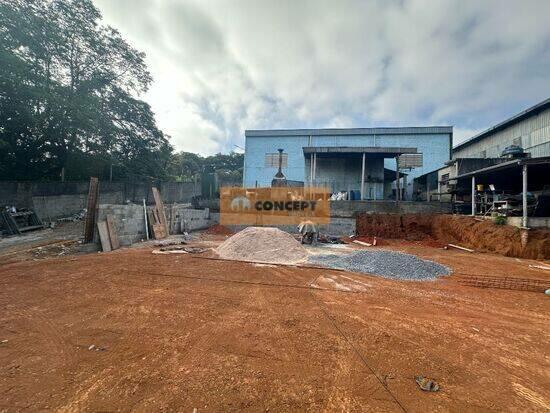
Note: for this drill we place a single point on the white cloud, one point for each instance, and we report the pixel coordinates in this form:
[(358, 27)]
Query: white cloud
[(224, 66)]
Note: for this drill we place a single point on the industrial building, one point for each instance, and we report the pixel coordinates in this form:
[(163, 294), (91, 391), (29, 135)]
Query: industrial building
[(361, 162), (505, 169)]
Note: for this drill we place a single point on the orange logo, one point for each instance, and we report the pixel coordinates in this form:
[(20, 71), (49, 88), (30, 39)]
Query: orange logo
[(274, 206)]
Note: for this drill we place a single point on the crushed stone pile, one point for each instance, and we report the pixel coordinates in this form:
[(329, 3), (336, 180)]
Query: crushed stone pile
[(388, 264), (263, 244)]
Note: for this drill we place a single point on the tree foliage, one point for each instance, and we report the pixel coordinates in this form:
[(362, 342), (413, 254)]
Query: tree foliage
[(69, 95), (186, 166)]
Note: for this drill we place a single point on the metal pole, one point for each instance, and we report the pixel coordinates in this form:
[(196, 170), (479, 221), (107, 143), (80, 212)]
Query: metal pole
[(524, 196), (473, 195), (146, 221), (363, 178)]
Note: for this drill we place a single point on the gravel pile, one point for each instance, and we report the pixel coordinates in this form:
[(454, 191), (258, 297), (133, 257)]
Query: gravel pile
[(388, 264)]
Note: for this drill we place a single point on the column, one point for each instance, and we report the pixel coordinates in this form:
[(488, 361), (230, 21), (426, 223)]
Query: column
[(397, 188), (363, 178), (473, 195), (524, 196)]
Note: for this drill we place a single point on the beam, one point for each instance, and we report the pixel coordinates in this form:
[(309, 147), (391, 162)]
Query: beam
[(524, 196), (363, 178)]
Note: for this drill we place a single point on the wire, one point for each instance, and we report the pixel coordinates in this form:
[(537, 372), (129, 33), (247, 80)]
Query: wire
[(355, 350)]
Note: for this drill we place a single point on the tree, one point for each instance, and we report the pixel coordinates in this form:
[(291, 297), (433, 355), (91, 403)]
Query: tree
[(186, 166), (69, 89)]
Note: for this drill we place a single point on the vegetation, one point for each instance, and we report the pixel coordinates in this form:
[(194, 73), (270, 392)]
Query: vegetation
[(185, 166), (69, 90)]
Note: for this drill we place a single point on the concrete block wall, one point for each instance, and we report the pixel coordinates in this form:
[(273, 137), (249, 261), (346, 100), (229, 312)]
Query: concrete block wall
[(129, 220), (59, 206)]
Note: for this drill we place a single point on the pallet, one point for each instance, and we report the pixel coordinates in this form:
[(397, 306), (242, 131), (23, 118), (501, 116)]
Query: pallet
[(16, 223)]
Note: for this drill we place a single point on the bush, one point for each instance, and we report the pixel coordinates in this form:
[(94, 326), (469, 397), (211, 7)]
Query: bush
[(500, 220)]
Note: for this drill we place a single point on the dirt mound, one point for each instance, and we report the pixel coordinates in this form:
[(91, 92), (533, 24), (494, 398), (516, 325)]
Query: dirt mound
[(466, 231), (219, 230), (261, 244)]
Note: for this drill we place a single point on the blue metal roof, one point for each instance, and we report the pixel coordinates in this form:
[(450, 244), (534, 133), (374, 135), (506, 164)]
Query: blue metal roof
[(414, 130)]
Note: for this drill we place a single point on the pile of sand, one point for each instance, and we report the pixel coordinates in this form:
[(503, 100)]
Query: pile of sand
[(263, 245)]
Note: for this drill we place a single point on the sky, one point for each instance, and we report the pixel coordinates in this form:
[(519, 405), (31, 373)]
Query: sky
[(223, 66)]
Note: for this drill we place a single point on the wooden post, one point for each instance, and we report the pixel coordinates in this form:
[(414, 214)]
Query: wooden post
[(524, 196), (91, 210), (160, 209), (363, 177), (473, 195)]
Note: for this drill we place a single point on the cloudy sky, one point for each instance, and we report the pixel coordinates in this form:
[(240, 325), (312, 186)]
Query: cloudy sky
[(221, 67)]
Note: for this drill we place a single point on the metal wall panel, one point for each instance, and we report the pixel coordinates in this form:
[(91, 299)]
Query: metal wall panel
[(533, 132)]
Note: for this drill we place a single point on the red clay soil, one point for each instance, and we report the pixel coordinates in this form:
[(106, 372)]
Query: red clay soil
[(219, 230), (129, 330), (466, 231)]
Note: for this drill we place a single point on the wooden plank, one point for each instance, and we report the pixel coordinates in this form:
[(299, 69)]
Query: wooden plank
[(115, 244), (91, 210), (160, 209), (104, 236)]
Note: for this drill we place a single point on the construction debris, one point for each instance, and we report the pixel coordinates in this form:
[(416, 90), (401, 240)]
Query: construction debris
[(366, 244), (426, 384), (15, 221), (258, 244), (108, 235), (458, 247)]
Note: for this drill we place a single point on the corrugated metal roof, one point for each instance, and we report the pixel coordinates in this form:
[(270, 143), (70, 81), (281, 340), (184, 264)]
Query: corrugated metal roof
[(414, 130), (533, 110)]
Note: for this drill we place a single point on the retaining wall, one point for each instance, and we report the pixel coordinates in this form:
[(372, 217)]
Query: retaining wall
[(349, 209)]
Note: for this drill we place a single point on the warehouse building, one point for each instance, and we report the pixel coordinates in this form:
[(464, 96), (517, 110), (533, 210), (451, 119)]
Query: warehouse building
[(529, 129), (361, 162), (505, 170)]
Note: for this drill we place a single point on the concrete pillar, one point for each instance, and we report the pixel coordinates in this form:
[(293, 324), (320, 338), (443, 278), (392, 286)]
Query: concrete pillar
[(311, 170), (397, 187), (404, 187), (314, 167), (363, 178), (473, 195), (524, 196)]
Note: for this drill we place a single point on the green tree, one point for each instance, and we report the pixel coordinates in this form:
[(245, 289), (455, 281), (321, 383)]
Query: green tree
[(69, 89)]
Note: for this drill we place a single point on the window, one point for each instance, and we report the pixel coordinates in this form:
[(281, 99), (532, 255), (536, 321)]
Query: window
[(272, 160), (444, 177)]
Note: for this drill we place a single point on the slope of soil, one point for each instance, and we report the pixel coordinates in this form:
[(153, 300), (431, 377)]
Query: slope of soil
[(463, 230)]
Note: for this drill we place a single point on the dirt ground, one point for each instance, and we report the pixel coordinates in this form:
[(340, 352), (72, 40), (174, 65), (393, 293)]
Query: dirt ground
[(177, 332)]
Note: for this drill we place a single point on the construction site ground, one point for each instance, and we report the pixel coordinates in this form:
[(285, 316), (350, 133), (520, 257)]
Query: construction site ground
[(134, 331)]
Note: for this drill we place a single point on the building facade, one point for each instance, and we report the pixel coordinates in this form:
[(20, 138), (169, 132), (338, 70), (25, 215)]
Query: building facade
[(362, 160), (529, 129)]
